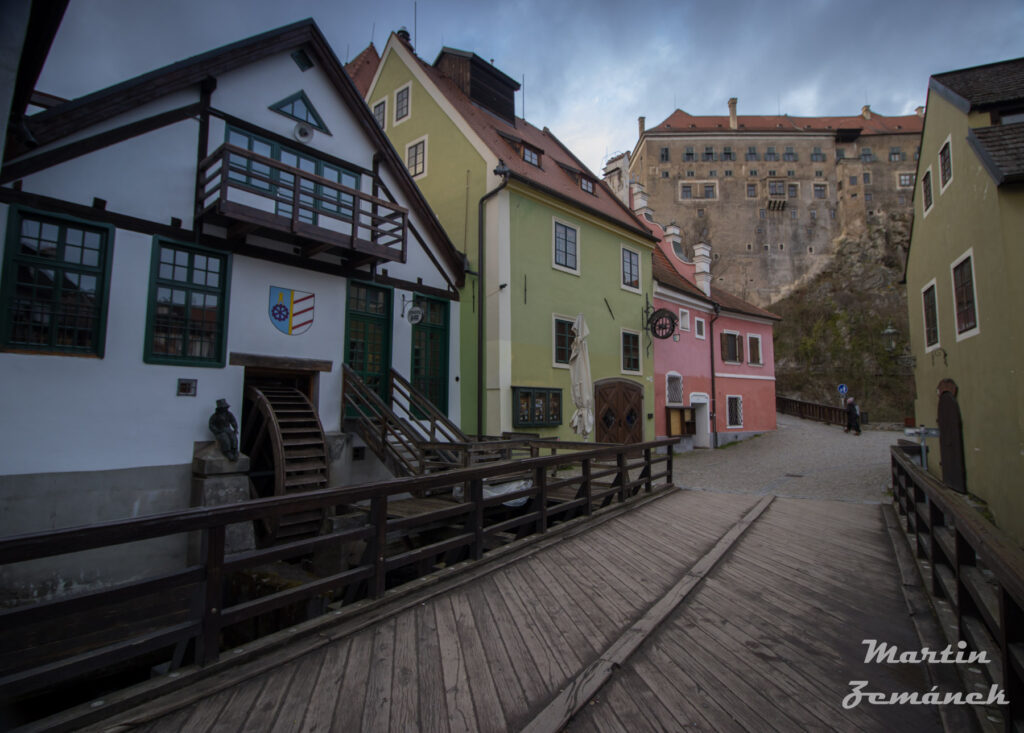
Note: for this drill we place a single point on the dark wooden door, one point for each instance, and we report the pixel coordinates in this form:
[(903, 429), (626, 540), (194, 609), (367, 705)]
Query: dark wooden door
[(618, 411), (951, 443)]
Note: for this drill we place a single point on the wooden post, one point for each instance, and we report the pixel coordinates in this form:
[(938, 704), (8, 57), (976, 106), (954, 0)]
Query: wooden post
[(670, 479), (475, 491), (540, 480), (379, 520), (620, 460), (649, 468), (587, 488), (213, 595)]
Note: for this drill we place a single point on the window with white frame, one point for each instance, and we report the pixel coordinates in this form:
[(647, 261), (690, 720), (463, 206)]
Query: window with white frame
[(926, 191), (906, 180), (630, 352), (698, 327), (673, 389), (565, 255), (732, 347), (754, 350), (416, 158), (735, 409), (562, 340), (945, 165), (964, 300), (402, 103), (684, 319), (930, 305), (630, 270), (380, 113)]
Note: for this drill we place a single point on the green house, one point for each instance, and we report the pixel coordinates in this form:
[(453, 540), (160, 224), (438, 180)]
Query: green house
[(545, 241), (963, 284)]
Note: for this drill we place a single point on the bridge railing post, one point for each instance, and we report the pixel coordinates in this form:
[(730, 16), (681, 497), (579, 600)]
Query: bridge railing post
[(379, 521), (588, 489), (540, 481), (649, 469), (620, 462), (475, 492), (208, 643)]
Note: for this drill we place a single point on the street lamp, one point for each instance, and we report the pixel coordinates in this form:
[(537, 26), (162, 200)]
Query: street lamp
[(890, 334)]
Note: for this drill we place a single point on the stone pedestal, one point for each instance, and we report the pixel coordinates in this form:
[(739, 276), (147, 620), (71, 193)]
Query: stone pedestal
[(217, 481)]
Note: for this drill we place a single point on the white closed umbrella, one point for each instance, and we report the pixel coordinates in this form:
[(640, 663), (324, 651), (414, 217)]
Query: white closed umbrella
[(582, 384)]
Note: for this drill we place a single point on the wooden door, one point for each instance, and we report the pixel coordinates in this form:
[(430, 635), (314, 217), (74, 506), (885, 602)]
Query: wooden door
[(951, 443), (368, 350), (618, 411)]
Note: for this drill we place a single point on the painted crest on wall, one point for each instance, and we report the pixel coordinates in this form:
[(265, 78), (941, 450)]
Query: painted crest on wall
[(291, 311)]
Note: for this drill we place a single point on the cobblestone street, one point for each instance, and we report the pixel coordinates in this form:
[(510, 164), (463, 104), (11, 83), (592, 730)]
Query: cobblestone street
[(802, 459)]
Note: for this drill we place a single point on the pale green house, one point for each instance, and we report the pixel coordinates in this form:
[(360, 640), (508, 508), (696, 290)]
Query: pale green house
[(964, 273), (555, 243)]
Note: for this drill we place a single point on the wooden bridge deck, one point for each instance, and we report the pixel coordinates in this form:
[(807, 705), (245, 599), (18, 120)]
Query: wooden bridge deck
[(766, 635)]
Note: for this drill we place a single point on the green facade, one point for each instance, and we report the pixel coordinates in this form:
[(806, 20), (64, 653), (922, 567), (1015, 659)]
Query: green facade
[(973, 215), (519, 316)]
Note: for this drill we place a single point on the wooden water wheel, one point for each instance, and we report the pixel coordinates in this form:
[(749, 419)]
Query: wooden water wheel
[(287, 450)]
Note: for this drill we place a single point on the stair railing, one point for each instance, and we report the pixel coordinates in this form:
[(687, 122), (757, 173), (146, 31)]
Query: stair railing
[(375, 422)]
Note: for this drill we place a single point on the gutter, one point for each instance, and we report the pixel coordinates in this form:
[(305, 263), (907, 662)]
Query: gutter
[(714, 394), (503, 171)]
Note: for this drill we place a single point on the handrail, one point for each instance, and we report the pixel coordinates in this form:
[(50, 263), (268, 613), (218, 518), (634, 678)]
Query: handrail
[(974, 567), (828, 414), (414, 400), (356, 394), (211, 611)]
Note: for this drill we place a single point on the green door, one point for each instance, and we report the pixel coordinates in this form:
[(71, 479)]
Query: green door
[(368, 350), (430, 353)]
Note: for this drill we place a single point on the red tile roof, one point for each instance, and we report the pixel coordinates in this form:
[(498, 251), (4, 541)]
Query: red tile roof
[(362, 68), (683, 122)]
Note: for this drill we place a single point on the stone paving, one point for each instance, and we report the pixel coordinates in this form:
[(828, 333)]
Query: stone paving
[(801, 459)]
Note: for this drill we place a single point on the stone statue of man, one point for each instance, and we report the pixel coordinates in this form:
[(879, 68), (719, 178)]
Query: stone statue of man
[(225, 429)]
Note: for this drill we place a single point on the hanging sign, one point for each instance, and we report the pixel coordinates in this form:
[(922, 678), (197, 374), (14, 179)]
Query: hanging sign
[(662, 323), (291, 311)]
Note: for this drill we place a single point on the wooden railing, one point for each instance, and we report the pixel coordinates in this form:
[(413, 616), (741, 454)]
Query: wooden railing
[(974, 572), (811, 410), (410, 404), (389, 437), (87, 632), (240, 185)]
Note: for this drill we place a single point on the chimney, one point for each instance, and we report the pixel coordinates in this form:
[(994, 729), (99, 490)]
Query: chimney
[(640, 122), (920, 112), (733, 123), (702, 259), (865, 111), (404, 37)]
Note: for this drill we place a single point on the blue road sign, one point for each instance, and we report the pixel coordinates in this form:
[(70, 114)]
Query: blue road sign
[(842, 389)]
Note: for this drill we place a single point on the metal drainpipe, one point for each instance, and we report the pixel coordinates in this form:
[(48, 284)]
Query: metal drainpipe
[(714, 397), (481, 393)]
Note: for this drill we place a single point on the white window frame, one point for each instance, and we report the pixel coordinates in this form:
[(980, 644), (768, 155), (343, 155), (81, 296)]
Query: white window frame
[(924, 316), (384, 121), (760, 352), (639, 270), (579, 264), (684, 319), (971, 332), (682, 394), (739, 337), (938, 157), (913, 179), (728, 411), (408, 147), (394, 108), (927, 176), (639, 352), (700, 328), (554, 341)]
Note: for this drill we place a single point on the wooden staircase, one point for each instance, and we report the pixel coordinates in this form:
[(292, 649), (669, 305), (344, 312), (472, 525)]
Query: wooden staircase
[(288, 452)]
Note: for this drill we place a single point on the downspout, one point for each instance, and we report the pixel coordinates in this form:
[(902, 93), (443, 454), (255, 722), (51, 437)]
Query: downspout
[(714, 395), (481, 393)]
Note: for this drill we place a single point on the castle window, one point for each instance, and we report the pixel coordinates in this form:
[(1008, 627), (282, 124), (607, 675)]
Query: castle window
[(770, 154), (792, 190), (664, 155), (727, 153), (688, 154), (709, 153), (906, 180), (789, 155), (820, 190), (752, 153), (817, 156), (751, 190), (686, 192), (895, 156)]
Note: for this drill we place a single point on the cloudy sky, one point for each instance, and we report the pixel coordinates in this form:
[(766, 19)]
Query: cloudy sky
[(591, 67)]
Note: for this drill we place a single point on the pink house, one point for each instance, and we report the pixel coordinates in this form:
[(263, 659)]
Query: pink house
[(707, 405)]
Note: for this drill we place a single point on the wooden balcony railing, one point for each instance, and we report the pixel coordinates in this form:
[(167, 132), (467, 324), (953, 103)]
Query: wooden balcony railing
[(975, 575), (252, 194)]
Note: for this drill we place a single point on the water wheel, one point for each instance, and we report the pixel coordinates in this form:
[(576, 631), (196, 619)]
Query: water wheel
[(287, 451)]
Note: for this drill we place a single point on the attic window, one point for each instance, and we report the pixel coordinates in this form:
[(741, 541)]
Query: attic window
[(298, 107), (531, 156), (302, 60), (587, 185)]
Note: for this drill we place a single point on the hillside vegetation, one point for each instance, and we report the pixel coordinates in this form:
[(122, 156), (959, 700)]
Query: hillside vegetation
[(831, 329)]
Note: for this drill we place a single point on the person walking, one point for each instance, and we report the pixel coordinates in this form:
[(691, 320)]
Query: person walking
[(852, 417)]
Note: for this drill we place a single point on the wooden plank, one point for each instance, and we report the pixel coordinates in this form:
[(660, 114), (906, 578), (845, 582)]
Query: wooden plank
[(484, 676), (562, 611), (565, 640), (272, 697), (461, 714), (320, 711), (691, 705), (377, 705), (521, 660), (351, 696), (404, 692), (300, 689), (433, 708)]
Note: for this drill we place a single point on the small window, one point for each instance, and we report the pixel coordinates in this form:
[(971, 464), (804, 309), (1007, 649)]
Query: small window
[(771, 172), (866, 155), (686, 191), (664, 174), (817, 156), (814, 214), (792, 190), (853, 180), (894, 155), (789, 155), (819, 174), (752, 154), (566, 255), (727, 153), (531, 156), (945, 166), (673, 390), (302, 60), (735, 408), (753, 173), (906, 180), (698, 327), (751, 190), (709, 153), (770, 154), (728, 173), (298, 107), (536, 407), (380, 113), (820, 190), (964, 298), (587, 185), (402, 103), (562, 340), (763, 213), (630, 269), (630, 352), (700, 213), (732, 347), (754, 350), (684, 319), (416, 158), (926, 190), (776, 188), (791, 173), (868, 197), (690, 174), (709, 190), (867, 177), (931, 316), (713, 173), (664, 155), (688, 154)]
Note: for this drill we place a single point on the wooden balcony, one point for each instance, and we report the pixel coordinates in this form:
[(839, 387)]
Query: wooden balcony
[(250, 194)]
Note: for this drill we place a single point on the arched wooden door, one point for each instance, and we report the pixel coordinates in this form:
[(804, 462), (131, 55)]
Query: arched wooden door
[(618, 411), (951, 442)]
